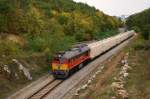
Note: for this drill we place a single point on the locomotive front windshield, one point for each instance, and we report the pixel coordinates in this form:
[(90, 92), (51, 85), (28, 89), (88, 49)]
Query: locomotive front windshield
[(59, 59)]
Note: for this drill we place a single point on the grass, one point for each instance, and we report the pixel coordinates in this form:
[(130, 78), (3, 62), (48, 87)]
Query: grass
[(139, 83)]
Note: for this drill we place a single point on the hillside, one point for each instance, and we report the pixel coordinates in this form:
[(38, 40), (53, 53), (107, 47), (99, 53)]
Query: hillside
[(140, 22), (39, 23), (31, 31)]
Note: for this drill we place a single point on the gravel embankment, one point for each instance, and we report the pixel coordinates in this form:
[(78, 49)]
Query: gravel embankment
[(31, 88)]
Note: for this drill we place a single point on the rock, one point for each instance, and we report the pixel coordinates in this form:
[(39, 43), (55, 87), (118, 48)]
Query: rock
[(78, 89), (121, 79), (93, 76), (122, 72), (102, 67), (89, 81), (96, 73), (6, 69), (16, 75), (127, 54), (127, 66), (115, 78), (124, 68), (84, 86), (99, 71), (22, 68), (76, 94), (124, 61), (113, 97), (123, 94), (117, 85), (125, 75)]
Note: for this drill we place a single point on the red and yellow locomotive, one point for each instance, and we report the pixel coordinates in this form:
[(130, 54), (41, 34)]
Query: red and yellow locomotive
[(64, 62)]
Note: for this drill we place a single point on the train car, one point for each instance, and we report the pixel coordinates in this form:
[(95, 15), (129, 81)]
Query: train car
[(99, 47), (64, 62)]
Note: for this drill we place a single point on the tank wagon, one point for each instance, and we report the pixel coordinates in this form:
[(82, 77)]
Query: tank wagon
[(65, 62)]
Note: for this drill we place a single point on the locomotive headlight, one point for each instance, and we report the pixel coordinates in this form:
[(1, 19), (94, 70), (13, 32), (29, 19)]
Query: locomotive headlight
[(59, 66)]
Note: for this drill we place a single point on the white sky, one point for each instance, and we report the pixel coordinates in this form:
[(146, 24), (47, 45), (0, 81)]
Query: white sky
[(118, 7)]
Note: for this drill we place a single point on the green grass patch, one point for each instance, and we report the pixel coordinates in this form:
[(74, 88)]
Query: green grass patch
[(138, 84)]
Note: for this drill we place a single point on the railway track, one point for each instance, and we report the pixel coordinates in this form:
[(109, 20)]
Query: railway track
[(46, 89)]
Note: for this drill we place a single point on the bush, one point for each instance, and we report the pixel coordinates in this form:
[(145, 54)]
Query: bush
[(9, 48), (140, 22), (136, 28)]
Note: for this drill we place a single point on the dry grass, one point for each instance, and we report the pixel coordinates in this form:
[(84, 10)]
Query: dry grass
[(139, 82)]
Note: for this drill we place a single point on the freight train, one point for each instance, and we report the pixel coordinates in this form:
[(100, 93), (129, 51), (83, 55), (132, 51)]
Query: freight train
[(75, 58)]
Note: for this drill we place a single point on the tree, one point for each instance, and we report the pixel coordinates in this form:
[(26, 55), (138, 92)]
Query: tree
[(140, 22)]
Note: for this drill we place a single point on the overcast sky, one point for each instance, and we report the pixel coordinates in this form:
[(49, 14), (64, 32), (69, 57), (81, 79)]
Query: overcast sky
[(118, 7)]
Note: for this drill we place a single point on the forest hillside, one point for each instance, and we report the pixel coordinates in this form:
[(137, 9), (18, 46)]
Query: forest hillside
[(140, 22), (37, 24)]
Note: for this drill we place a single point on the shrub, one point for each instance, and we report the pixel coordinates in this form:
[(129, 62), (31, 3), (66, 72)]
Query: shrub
[(9, 48)]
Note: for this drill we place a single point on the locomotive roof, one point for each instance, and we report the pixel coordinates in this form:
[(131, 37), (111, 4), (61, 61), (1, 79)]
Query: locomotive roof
[(77, 50)]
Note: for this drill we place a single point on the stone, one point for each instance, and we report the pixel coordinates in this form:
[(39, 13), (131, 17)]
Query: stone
[(123, 94), (96, 73), (116, 85), (22, 68), (125, 75), (102, 67), (93, 76), (76, 94), (113, 97), (89, 81), (6, 69), (16, 75), (84, 86)]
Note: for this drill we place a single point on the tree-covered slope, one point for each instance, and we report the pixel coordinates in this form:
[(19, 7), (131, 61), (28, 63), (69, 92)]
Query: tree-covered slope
[(43, 22), (37, 16), (140, 22)]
